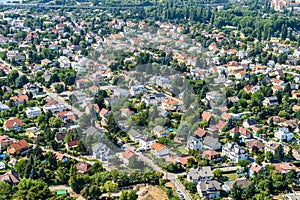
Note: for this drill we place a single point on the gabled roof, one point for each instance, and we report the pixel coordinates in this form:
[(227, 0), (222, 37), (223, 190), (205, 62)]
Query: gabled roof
[(10, 123), (158, 146), (13, 148), (72, 143), (200, 132), (206, 115), (128, 154), (10, 177)]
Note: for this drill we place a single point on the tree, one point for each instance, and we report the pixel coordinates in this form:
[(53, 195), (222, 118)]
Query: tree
[(59, 88), (21, 81), (5, 190), (91, 192), (110, 187), (218, 173), (128, 195), (12, 76), (269, 156), (62, 175), (32, 189), (236, 192), (55, 122), (244, 163)]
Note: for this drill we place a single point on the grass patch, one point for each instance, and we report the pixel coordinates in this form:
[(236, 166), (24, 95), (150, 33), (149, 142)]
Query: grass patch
[(231, 176), (182, 149)]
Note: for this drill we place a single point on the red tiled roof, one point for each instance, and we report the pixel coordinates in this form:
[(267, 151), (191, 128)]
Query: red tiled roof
[(20, 98), (206, 115), (72, 143), (12, 121), (13, 148), (128, 154), (184, 160), (158, 146), (200, 132)]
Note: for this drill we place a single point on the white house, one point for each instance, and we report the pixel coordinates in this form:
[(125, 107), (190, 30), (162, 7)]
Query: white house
[(200, 174), (138, 89), (3, 107), (194, 144), (54, 108), (159, 150), (234, 152), (284, 134), (146, 142), (33, 112)]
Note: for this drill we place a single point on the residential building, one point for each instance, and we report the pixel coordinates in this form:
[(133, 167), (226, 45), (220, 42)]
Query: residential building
[(33, 112), (19, 99), (102, 152), (212, 155), (209, 189), (3, 107), (255, 168), (18, 148), (72, 144), (126, 155), (284, 134), (10, 177), (83, 168), (13, 124), (270, 101), (54, 108), (138, 89), (194, 144), (200, 133), (241, 132), (159, 150), (160, 131), (200, 174), (59, 137), (255, 145), (5, 141), (212, 143), (234, 152), (146, 142), (243, 183), (273, 147), (134, 135)]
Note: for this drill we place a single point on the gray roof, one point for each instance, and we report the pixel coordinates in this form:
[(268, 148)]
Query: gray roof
[(91, 130), (133, 133), (147, 138), (212, 185), (210, 141), (201, 172)]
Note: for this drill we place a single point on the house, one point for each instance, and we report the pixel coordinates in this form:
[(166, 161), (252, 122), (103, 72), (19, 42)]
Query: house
[(200, 133), (134, 135), (32, 133), (211, 143), (102, 152), (209, 189), (277, 88), (284, 134), (54, 108), (160, 131), (270, 101), (255, 168), (241, 132), (19, 99), (249, 122), (2, 165), (255, 145), (104, 114), (83, 168), (126, 155), (211, 155), (71, 145), (159, 150), (33, 112), (126, 112), (273, 147), (59, 137), (138, 89), (184, 160), (13, 124), (18, 148), (146, 142), (194, 144), (285, 167), (200, 174), (276, 81), (3, 107), (243, 183), (10, 177), (61, 157), (5, 141), (90, 131), (234, 152), (206, 116)]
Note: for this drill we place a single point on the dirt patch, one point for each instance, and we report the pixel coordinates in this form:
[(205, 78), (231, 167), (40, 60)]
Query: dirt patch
[(151, 193)]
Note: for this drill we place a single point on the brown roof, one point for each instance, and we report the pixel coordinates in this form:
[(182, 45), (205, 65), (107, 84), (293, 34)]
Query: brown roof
[(14, 148), (12, 121), (206, 115), (128, 154), (72, 143), (286, 167), (200, 132), (209, 154), (158, 146), (184, 160), (20, 98), (10, 177), (82, 167), (255, 143)]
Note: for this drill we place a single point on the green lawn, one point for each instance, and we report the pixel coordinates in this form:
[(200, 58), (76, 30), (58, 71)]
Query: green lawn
[(182, 149), (231, 176)]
